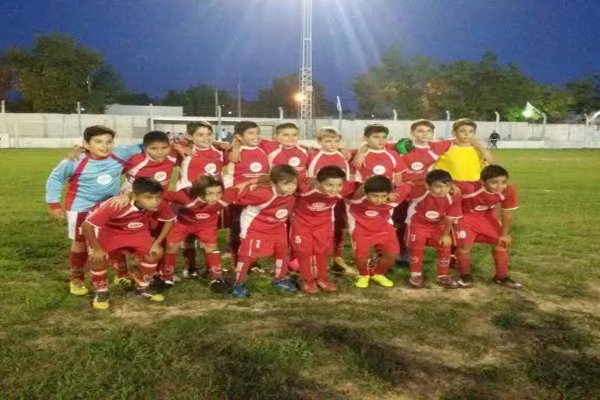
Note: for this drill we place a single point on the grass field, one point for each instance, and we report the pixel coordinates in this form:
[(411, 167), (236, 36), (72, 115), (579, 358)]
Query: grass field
[(482, 343)]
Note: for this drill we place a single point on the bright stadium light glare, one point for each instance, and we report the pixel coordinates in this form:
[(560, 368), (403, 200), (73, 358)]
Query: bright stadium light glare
[(299, 97)]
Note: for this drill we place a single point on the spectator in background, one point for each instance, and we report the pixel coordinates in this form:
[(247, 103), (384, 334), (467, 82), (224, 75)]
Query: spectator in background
[(493, 140)]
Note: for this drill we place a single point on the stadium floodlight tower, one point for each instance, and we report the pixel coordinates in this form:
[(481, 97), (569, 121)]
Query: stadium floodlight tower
[(306, 83)]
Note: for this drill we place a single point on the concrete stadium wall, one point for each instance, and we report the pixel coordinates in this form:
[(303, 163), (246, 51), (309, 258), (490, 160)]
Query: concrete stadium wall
[(63, 130)]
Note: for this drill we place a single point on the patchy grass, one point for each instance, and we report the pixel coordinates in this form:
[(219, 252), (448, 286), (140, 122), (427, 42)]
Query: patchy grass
[(481, 343)]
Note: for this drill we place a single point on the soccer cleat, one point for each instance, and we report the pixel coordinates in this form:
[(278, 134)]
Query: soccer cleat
[(382, 280), (123, 281), (326, 285), (286, 285), (190, 273), (465, 281), (448, 282), (101, 301), (507, 282), (309, 287), (417, 281), (362, 281), (78, 288), (219, 286), (148, 295), (239, 290)]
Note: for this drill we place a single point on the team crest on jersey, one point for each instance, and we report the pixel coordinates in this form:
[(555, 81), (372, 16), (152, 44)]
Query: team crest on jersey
[(135, 225), (294, 161), (432, 215), (371, 213), (160, 176), (211, 168), (202, 216), (318, 206), (297, 239), (481, 208), (417, 166), (379, 170), (255, 167), (281, 213), (104, 179)]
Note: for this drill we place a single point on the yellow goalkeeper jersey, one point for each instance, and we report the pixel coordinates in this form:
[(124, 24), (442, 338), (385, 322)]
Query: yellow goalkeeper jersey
[(463, 163)]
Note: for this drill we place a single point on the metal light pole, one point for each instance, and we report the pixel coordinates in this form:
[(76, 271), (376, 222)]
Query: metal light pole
[(280, 113), (79, 124), (306, 83), (395, 115), (340, 112), (497, 121), (447, 134)]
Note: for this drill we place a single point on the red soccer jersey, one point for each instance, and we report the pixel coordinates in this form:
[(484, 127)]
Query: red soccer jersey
[(315, 209), (320, 159), (369, 218), (420, 159), (266, 213), (475, 199), (142, 166), (295, 156), (195, 211), (203, 161), (253, 163), (427, 209), (128, 219), (380, 162)]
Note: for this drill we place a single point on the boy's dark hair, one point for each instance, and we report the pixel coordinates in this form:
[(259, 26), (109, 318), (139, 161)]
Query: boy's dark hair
[(204, 182), (155, 137), (375, 128), (438, 175), (330, 172), (377, 184), (463, 121), (96, 130), (493, 171), (146, 185), (420, 122), (243, 126), (193, 126), (283, 173), (285, 125)]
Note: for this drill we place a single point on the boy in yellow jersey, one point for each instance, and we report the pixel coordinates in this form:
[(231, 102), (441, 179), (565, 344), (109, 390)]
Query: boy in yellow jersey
[(466, 157)]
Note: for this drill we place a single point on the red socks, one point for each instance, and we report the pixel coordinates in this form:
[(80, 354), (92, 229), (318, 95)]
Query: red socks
[(77, 261), (213, 260)]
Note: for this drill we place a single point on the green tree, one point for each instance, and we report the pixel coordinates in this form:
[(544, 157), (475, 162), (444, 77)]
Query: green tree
[(6, 77), (54, 74), (585, 93), (199, 100), (282, 93)]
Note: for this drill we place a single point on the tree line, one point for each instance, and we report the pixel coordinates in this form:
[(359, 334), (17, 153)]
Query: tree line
[(57, 71)]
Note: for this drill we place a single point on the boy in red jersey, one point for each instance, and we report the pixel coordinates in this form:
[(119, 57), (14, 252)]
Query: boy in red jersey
[(198, 216), (370, 224), (329, 140), (263, 227), (377, 159), (285, 150), (252, 162), (431, 215), (157, 161), (480, 223), (111, 231), (311, 231)]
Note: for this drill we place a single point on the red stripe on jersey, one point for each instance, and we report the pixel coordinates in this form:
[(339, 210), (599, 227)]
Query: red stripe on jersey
[(73, 184)]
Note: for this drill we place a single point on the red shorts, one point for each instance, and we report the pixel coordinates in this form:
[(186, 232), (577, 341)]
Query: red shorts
[(311, 241), (136, 243), (256, 248), (385, 241), (477, 228), (205, 234), (419, 236)]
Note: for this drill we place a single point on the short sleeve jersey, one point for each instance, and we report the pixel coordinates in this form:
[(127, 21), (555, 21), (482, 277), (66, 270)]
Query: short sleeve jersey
[(380, 162), (295, 156), (463, 163), (421, 158), (253, 163), (203, 161), (368, 218), (475, 199), (320, 159), (265, 214), (427, 209), (314, 208), (142, 166), (128, 219), (195, 211)]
